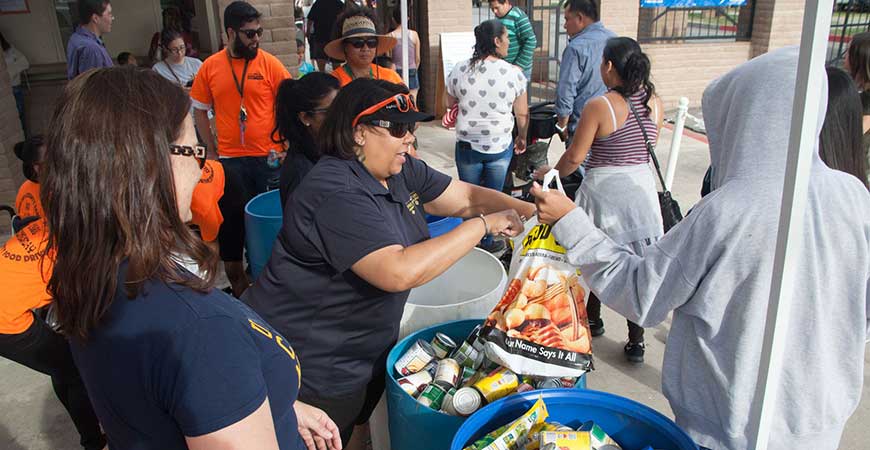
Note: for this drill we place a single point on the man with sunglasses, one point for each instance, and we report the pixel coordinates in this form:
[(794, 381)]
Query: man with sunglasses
[(241, 84)]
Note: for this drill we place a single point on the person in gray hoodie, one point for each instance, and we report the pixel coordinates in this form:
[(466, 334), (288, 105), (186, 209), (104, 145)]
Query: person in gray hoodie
[(714, 271)]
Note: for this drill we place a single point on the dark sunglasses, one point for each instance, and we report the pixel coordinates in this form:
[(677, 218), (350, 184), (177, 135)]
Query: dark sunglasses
[(358, 43), (197, 151), (250, 33), (396, 129)]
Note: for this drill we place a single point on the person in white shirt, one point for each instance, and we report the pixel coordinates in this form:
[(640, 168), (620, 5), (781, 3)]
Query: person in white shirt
[(16, 63), (175, 66)]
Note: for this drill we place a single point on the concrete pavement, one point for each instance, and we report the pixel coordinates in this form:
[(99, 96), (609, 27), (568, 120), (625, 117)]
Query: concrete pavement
[(32, 418)]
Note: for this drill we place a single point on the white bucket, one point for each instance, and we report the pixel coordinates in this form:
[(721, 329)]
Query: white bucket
[(467, 290)]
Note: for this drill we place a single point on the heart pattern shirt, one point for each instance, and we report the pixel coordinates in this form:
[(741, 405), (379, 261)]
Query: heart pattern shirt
[(486, 92)]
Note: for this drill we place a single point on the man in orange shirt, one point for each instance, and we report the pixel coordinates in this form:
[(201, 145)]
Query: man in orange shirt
[(241, 84)]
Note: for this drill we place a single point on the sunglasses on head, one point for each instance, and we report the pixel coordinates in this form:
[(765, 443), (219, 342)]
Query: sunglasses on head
[(250, 33), (397, 130), (197, 151), (401, 102), (358, 43)]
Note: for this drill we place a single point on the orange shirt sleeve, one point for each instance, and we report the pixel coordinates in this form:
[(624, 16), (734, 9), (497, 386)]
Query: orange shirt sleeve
[(201, 91), (278, 73), (341, 75), (390, 75), (27, 202), (204, 203)]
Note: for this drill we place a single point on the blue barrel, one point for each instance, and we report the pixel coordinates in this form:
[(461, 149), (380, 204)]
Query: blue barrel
[(440, 225), (263, 219), (632, 425), (412, 425)]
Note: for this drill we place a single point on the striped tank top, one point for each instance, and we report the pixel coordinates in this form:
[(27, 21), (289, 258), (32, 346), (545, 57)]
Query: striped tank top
[(625, 146)]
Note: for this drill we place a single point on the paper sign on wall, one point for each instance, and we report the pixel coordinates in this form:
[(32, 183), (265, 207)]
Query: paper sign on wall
[(455, 48), (690, 3)]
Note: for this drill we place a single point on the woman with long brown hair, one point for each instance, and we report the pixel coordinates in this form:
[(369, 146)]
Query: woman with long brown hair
[(168, 361)]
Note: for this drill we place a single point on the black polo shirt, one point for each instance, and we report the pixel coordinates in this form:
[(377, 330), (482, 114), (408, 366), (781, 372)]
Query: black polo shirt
[(341, 326)]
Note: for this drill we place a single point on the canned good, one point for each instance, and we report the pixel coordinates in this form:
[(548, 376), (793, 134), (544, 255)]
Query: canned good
[(432, 396), (467, 373), (431, 367), (443, 345), (415, 383), (548, 383), (597, 437), (466, 355), (523, 387), (476, 339), (416, 358), (569, 382), (466, 401), (447, 374), (447, 404), (497, 384)]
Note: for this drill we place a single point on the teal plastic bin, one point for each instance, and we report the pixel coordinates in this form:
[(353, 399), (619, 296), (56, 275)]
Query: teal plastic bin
[(263, 218), (632, 425), (412, 425)]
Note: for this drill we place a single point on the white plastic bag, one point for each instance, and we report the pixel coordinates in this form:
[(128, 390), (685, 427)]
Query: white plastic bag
[(540, 326)]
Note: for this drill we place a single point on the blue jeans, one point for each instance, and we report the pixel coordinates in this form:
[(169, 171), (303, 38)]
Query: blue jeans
[(483, 169), (528, 74)]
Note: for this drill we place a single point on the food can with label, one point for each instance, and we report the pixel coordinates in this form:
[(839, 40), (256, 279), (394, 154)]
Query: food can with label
[(447, 404), (569, 382), (467, 373), (466, 355), (448, 373), (524, 387), (415, 383), (497, 384), (416, 358), (466, 401), (548, 383), (432, 396), (443, 345), (597, 436)]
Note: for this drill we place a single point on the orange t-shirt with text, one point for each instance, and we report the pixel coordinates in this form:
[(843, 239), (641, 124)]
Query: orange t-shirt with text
[(204, 203), (378, 73), (215, 86), (24, 284)]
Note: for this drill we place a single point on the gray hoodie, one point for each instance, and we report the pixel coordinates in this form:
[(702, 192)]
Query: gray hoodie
[(714, 269)]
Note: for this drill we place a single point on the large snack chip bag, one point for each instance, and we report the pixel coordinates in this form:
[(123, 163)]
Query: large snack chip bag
[(540, 326)]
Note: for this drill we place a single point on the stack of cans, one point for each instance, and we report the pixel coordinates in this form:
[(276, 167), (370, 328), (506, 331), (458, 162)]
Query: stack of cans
[(459, 379)]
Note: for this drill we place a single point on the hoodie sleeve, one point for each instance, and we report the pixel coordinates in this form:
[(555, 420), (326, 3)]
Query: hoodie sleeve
[(642, 289)]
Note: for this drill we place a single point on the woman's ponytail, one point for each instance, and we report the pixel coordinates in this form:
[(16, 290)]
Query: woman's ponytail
[(633, 67), (484, 39)]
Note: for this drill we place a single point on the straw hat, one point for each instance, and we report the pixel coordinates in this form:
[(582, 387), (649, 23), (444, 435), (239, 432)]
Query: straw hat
[(358, 26)]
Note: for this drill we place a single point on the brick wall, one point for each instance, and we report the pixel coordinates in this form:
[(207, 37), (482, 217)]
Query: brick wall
[(777, 24), (279, 35), (438, 16), (620, 16), (684, 70), (10, 133)]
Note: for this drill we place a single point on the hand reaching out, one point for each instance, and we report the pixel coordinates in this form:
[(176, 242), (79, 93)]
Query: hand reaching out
[(318, 431)]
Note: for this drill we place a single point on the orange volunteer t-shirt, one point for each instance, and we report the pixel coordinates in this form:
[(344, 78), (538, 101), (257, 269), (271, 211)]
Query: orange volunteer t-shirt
[(204, 203), (27, 202), (214, 86), (378, 73), (24, 285)]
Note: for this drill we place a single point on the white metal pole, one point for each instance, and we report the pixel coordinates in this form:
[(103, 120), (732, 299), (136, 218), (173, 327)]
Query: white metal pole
[(801, 145), (405, 38), (676, 141)]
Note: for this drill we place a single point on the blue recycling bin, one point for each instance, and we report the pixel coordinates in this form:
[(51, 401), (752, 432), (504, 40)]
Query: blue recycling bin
[(263, 218), (440, 225), (412, 425), (632, 425)]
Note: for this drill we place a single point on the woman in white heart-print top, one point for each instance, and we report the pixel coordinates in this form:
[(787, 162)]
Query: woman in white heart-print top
[(488, 89)]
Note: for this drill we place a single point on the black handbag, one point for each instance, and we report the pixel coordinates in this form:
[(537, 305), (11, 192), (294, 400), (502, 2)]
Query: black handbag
[(670, 209)]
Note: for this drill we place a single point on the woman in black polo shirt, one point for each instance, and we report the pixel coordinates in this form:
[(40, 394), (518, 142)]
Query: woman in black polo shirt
[(355, 241)]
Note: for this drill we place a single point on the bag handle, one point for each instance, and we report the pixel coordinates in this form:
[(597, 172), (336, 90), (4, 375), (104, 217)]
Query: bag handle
[(553, 174), (649, 146)]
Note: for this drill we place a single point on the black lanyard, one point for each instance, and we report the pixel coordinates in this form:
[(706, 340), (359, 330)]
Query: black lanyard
[(239, 86)]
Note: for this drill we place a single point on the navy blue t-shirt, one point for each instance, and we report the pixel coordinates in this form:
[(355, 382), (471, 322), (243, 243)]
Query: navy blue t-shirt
[(173, 362), (341, 326)]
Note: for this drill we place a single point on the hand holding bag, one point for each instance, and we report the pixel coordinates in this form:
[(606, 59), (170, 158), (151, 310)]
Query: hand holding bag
[(670, 209)]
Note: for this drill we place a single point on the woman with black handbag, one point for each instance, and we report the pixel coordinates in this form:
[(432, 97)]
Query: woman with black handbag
[(617, 132)]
